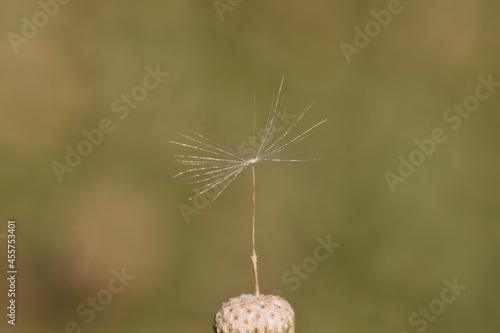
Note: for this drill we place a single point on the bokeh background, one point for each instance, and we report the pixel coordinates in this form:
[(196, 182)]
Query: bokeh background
[(120, 208)]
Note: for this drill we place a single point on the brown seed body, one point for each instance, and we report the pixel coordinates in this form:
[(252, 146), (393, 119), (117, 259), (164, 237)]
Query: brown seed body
[(255, 314)]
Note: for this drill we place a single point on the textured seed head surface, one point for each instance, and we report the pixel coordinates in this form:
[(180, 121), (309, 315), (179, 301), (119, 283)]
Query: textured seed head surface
[(255, 314)]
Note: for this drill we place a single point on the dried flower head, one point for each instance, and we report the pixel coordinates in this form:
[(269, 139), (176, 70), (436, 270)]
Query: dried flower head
[(255, 314)]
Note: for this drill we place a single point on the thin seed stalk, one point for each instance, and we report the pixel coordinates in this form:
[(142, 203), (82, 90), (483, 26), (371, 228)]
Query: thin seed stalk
[(254, 255)]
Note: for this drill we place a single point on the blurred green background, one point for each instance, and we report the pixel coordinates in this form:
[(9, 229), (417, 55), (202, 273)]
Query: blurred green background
[(120, 207)]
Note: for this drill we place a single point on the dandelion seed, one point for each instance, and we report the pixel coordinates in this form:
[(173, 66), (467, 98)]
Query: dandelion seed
[(212, 166)]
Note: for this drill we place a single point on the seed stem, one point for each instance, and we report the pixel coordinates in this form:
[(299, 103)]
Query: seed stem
[(254, 255)]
